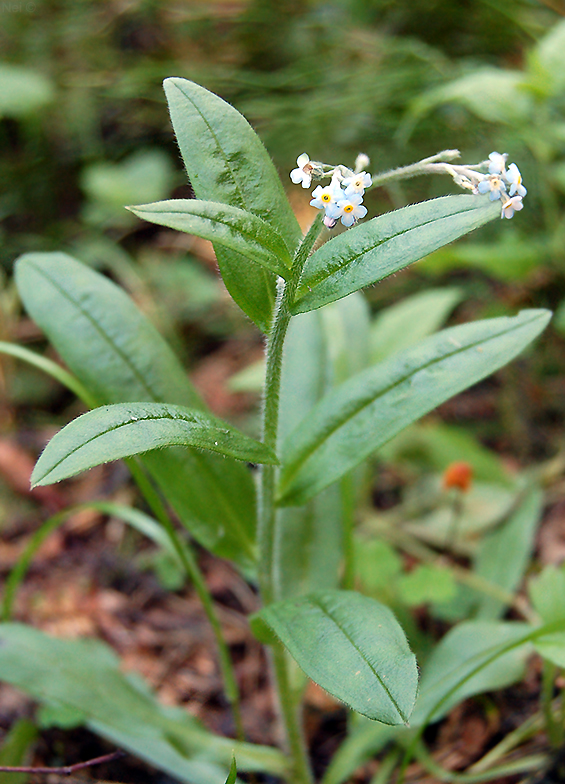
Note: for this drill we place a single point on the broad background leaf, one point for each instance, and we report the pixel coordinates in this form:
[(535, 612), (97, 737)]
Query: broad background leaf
[(447, 680), (504, 553), (83, 676), (322, 348), (369, 409), (373, 250), (119, 356), (226, 162), (353, 647), (407, 322)]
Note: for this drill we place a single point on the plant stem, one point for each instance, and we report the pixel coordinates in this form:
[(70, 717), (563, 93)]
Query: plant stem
[(190, 565), (301, 771)]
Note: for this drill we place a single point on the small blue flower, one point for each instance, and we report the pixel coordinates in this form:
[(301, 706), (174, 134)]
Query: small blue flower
[(514, 179), (495, 185), (497, 163), (514, 204), (357, 183), (349, 209), (326, 197), (303, 173)]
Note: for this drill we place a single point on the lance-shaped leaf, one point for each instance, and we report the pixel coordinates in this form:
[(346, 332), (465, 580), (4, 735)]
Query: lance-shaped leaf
[(353, 647), (227, 162), (84, 677), (373, 250), (119, 356), (125, 429), (369, 409), (228, 226)]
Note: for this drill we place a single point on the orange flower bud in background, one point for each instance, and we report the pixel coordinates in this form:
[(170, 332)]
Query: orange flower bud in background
[(459, 475)]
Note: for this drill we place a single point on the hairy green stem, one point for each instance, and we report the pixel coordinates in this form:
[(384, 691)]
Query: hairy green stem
[(190, 565), (301, 771)]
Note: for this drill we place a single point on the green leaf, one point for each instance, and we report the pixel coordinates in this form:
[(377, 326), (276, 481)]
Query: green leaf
[(369, 409), (15, 750), (550, 55), (51, 368), (84, 675), (472, 658), (145, 175), (384, 245), (307, 540), (226, 162), (492, 94), (407, 322), (229, 226), (346, 326), (504, 554), (232, 776), (126, 429), (119, 356), (23, 91), (427, 583), (547, 593), (353, 647)]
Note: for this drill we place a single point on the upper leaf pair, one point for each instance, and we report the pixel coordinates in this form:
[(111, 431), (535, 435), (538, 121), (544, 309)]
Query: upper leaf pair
[(241, 207)]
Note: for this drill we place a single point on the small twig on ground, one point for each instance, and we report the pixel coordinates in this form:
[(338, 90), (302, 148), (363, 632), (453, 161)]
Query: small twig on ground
[(66, 770)]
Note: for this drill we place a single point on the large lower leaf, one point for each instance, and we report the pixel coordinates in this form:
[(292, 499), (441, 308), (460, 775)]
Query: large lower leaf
[(226, 162), (119, 356), (373, 250), (353, 647), (83, 676), (126, 429), (228, 226), (369, 409)]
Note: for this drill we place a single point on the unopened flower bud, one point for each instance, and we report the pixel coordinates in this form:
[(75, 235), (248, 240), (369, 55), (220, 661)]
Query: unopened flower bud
[(458, 475), (361, 162)]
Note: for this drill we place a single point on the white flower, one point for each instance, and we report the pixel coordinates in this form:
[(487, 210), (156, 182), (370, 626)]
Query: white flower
[(511, 206), (514, 179), (495, 185), (348, 209), (497, 163), (303, 173), (357, 183), (325, 197)]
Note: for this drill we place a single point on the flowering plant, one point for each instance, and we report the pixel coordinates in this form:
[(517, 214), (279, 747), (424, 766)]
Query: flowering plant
[(287, 524)]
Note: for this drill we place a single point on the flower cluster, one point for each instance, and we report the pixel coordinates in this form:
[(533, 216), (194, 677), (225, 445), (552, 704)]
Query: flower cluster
[(504, 184), (342, 198)]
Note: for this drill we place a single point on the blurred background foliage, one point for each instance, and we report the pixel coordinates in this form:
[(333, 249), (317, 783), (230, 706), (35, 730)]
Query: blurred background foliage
[(84, 131)]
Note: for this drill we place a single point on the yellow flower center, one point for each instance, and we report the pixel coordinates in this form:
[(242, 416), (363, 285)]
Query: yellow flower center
[(326, 197), (348, 208)]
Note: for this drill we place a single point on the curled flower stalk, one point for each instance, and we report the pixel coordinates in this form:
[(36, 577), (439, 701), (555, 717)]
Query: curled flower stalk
[(342, 199)]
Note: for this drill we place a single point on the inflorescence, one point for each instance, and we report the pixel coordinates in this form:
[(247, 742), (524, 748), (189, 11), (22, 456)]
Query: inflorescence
[(342, 199)]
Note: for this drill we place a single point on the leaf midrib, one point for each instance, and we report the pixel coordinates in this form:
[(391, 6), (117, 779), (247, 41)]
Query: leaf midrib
[(219, 146), (249, 234), (329, 271), (108, 339), (150, 418), (318, 603)]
